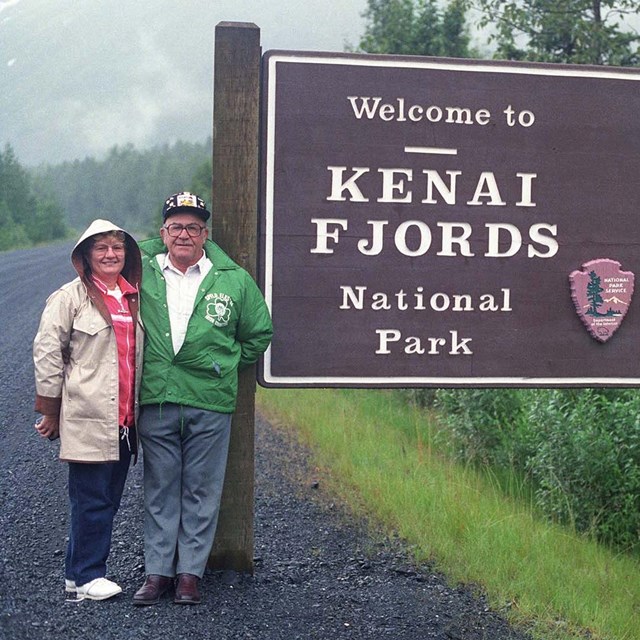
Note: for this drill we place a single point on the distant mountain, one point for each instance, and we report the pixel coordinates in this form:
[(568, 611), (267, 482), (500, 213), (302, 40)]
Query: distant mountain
[(83, 77), (615, 300), (80, 77)]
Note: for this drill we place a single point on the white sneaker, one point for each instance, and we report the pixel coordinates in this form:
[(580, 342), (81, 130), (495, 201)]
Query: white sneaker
[(98, 589), (69, 586)]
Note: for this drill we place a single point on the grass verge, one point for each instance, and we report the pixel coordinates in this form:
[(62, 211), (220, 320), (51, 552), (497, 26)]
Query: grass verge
[(379, 456)]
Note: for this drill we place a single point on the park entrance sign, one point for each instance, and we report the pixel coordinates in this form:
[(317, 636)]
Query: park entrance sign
[(440, 222)]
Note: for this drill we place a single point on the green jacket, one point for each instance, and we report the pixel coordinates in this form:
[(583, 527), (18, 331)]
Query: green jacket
[(230, 328)]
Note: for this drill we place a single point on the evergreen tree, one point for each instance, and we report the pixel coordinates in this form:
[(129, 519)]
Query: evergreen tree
[(48, 222), (415, 27), (201, 182), (25, 219), (15, 188), (593, 293), (568, 31), (12, 235)]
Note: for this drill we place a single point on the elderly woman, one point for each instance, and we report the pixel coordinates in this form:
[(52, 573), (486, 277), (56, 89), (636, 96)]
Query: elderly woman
[(87, 356)]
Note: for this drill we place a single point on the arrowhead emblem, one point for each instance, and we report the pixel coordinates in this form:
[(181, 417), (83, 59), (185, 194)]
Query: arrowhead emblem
[(602, 294)]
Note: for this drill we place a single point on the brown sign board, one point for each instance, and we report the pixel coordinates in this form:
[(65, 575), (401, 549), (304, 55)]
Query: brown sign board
[(439, 222)]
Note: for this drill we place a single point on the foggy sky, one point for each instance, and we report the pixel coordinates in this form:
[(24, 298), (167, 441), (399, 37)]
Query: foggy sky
[(79, 76)]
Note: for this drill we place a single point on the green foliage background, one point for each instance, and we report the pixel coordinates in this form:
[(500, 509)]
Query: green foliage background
[(568, 31), (128, 186), (578, 450), (26, 218), (411, 27)]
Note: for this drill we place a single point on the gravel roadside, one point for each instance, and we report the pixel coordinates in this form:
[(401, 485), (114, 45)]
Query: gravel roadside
[(318, 572)]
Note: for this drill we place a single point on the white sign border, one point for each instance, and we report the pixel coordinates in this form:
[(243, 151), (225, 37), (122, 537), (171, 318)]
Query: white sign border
[(413, 63)]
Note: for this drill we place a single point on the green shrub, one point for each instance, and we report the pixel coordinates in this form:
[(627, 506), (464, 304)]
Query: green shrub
[(580, 449), (586, 461), (424, 398), (485, 426)]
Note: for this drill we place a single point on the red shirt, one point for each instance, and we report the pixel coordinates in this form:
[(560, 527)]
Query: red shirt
[(118, 306)]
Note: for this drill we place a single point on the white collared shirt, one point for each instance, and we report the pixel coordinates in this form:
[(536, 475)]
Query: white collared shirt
[(182, 289)]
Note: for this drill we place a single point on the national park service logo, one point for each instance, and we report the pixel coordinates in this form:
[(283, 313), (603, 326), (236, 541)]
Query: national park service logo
[(218, 310), (601, 293)]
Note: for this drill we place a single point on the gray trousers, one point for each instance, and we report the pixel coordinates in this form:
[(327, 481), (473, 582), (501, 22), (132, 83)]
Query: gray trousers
[(185, 456)]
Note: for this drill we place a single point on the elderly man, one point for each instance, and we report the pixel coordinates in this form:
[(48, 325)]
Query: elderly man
[(204, 318)]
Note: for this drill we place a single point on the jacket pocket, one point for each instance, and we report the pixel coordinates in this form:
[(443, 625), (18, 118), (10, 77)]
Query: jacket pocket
[(93, 356), (216, 367), (205, 363), (90, 324)]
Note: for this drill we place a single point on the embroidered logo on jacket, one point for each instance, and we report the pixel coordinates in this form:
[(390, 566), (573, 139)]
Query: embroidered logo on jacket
[(218, 309)]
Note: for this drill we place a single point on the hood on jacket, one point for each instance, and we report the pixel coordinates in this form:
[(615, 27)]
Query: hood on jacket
[(132, 270)]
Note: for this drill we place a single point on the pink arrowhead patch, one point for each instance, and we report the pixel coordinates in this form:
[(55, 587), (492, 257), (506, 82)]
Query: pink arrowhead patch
[(602, 295)]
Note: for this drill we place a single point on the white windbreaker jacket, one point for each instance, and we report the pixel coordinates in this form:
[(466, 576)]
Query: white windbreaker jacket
[(76, 361)]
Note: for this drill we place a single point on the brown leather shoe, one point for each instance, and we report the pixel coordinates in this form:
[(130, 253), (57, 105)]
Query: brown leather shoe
[(149, 593), (187, 589)]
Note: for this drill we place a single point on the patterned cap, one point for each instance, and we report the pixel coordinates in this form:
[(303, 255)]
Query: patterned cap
[(185, 202)]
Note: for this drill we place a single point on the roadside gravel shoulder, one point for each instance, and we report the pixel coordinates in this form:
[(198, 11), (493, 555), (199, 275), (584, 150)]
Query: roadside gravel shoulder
[(319, 572), (362, 581)]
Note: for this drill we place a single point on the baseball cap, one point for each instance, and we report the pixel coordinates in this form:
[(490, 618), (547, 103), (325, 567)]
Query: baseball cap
[(185, 202)]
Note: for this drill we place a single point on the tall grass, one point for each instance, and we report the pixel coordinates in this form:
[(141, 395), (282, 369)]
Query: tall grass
[(380, 456)]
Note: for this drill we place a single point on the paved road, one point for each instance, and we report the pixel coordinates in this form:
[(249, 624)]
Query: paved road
[(319, 573), (26, 278)]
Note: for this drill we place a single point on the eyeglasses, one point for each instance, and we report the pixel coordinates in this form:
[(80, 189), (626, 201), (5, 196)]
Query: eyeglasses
[(175, 229), (104, 248)]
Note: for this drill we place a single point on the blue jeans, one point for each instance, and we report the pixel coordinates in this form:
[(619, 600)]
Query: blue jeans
[(95, 490)]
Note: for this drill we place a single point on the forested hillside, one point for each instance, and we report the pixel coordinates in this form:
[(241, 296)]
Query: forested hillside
[(25, 218), (127, 187)]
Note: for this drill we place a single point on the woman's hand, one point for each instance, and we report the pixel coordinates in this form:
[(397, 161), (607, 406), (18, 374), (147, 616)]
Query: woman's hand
[(48, 427)]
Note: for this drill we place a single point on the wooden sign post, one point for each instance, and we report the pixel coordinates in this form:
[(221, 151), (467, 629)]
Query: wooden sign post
[(234, 227)]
